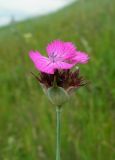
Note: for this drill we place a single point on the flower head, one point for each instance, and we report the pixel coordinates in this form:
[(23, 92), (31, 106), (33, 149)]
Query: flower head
[(61, 55), (56, 77)]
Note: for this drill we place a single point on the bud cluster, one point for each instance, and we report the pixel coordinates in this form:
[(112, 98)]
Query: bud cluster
[(60, 85)]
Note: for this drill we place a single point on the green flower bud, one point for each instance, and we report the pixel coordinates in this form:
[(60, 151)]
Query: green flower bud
[(57, 95)]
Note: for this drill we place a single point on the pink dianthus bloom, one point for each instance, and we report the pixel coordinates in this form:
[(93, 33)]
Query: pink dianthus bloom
[(61, 55)]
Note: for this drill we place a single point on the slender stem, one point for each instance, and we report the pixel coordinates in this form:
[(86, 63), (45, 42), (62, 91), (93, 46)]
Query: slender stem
[(58, 113)]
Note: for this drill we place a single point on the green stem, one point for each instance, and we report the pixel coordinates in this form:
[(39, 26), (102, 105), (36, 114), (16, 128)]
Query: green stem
[(58, 113)]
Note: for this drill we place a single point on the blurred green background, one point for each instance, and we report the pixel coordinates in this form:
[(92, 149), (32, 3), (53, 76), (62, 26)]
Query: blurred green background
[(27, 118)]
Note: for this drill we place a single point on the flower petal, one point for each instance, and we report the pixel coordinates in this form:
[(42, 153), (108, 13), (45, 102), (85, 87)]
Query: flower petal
[(62, 65), (42, 63), (69, 50), (59, 50), (80, 57), (55, 48), (34, 55)]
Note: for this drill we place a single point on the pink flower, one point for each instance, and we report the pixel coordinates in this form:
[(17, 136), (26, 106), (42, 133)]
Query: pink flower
[(61, 55)]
